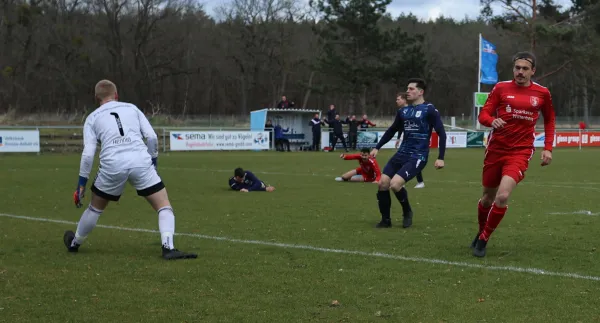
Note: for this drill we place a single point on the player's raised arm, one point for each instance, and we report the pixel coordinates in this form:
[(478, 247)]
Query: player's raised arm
[(549, 121), (487, 115), (150, 135), (397, 126), (436, 122), (350, 156)]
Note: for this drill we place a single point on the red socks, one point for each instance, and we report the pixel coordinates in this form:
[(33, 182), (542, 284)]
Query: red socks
[(495, 216), (482, 215)]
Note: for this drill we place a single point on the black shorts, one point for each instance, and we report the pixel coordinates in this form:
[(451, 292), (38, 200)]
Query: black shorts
[(404, 166)]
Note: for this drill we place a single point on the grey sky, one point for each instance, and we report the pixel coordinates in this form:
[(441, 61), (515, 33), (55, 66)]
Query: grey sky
[(423, 9)]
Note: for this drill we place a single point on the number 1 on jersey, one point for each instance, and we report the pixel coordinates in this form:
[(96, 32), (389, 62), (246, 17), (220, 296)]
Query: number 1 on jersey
[(116, 115)]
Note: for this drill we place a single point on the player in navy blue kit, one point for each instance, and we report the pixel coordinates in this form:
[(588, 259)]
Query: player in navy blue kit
[(245, 181), (416, 121)]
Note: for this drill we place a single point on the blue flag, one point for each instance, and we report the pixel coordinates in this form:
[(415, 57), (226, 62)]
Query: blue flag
[(489, 59)]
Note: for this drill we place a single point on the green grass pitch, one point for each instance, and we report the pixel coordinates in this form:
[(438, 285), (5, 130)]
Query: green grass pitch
[(285, 256)]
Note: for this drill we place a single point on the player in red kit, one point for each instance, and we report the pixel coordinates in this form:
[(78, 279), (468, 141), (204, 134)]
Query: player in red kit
[(368, 171), (512, 109)]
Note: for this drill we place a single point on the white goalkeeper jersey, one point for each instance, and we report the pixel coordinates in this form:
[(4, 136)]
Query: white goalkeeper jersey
[(120, 128)]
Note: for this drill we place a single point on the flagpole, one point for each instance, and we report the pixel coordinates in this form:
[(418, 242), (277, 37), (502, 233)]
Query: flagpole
[(479, 67), (477, 125)]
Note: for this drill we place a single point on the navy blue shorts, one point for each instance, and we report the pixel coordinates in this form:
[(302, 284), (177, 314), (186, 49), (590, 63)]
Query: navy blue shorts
[(404, 166)]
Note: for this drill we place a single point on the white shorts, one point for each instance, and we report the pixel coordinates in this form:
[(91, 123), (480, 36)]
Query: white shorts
[(110, 185)]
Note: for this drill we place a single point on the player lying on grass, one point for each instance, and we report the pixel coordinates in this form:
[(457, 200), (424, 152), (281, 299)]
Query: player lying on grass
[(124, 157), (245, 181), (368, 171)]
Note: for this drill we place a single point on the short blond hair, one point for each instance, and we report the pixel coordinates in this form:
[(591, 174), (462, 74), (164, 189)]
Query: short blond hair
[(105, 89)]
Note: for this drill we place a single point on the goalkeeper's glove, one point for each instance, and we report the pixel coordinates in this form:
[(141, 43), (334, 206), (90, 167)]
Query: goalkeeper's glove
[(79, 192)]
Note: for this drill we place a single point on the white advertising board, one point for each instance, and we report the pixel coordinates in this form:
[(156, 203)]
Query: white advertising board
[(456, 140), (219, 140), (27, 141)]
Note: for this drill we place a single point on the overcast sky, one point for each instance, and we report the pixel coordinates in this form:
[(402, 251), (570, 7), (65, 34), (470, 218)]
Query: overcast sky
[(423, 9)]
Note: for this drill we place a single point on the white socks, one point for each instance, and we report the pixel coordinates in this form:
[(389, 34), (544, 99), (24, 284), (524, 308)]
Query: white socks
[(89, 218), (166, 226), (86, 224)]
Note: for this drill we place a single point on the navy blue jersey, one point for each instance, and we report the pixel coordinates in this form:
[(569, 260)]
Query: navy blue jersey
[(315, 124), (417, 123), (250, 182)]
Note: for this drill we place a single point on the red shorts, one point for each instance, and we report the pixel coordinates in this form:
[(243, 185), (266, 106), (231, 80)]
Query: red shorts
[(366, 177), (498, 164)]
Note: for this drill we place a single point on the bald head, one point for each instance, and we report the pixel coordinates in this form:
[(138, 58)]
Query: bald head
[(106, 90)]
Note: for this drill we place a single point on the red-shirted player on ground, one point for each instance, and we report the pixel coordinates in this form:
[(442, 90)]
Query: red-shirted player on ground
[(512, 109), (368, 171)]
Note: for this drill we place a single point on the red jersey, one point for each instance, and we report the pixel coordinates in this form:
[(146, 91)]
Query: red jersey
[(519, 107), (365, 123), (368, 167)]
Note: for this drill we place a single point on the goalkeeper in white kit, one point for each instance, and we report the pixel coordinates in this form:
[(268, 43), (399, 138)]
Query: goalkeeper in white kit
[(121, 128)]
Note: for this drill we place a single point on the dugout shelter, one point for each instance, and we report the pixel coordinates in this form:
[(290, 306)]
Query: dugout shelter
[(297, 120)]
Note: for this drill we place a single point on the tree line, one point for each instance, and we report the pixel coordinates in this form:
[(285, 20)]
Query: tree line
[(170, 57)]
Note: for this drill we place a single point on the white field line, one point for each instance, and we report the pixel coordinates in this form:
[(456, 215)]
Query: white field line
[(527, 270), (580, 212)]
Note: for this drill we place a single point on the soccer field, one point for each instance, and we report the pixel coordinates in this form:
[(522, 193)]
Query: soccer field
[(286, 256)]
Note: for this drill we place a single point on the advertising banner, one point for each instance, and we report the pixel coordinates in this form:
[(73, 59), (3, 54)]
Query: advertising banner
[(456, 140), (540, 137), (19, 141), (572, 139), (364, 139), (219, 140), (475, 139)]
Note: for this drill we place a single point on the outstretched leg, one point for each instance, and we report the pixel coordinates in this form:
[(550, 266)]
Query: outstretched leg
[(86, 224), (150, 186), (166, 225), (348, 176)]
